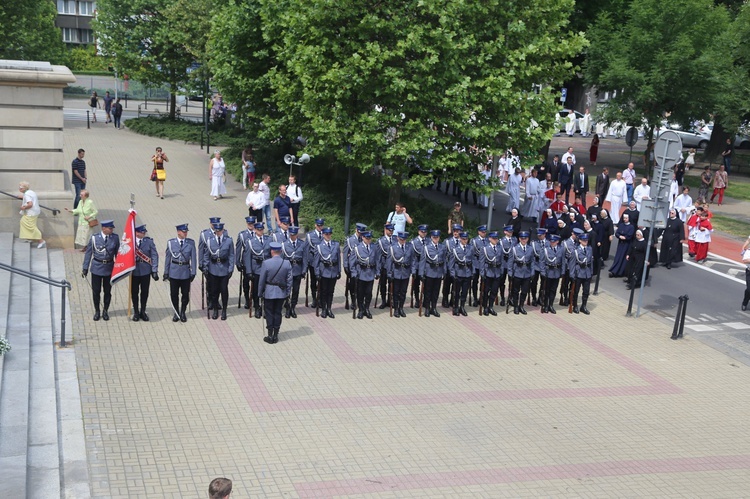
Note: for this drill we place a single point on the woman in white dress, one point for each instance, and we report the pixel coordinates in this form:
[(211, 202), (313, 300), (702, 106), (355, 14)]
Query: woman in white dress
[(216, 172)]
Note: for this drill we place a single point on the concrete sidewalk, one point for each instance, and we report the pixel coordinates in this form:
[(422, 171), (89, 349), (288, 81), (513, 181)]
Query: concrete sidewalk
[(539, 405)]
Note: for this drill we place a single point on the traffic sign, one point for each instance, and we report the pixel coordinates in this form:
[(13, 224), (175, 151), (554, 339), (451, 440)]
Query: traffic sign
[(654, 211), (564, 94), (631, 137), (668, 149)]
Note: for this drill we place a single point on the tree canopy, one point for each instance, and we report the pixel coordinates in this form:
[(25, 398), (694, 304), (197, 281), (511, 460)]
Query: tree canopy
[(29, 32)]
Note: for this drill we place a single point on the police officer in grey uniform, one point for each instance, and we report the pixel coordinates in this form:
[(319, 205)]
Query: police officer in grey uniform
[(327, 265), (364, 264), (252, 258), (477, 243), (432, 268), (281, 233), (351, 242), (400, 265), (507, 243), (417, 245), (553, 263), (568, 245), (537, 247), (296, 252), (314, 238), (146, 266), (239, 248), (491, 268), (384, 245), (100, 257), (205, 235), (580, 270), (274, 285), (447, 280), (521, 260), (461, 269), (180, 265), (219, 261)]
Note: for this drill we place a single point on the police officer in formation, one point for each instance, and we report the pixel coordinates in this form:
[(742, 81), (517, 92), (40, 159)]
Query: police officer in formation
[(327, 265), (180, 266), (274, 285), (521, 260), (364, 264), (417, 245), (400, 265), (146, 267), (507, 243), (491, 267), (580, 270), (296, 252), (461, 270), (240, 247), (218, 260), (553, 261), (314, 238), (447, 279), (205, 236), (384, 245), (477, 243), (281, 233), (351, 242), (100, 258), (250, 259), (432, 268), (537, 246), (568, 244)]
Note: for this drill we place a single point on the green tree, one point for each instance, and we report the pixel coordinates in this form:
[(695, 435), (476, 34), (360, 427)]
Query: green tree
[(660, 65), (29, 32)]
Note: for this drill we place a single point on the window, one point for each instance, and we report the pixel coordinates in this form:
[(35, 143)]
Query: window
[(86, 8), (86, 36), (66, 6), (70, 35)]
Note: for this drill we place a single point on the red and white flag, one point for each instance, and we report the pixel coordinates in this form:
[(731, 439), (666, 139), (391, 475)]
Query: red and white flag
[(125, 259)]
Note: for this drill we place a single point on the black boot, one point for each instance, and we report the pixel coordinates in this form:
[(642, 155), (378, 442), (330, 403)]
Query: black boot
[(401, 309), (491, 310), (144, 315), (215, 315), (427, 311), (521, 309), (383, 304), (551, 309), (183, 317), (224, 313), (515, 310), (475, 303), (584, 310), (105, 315), (330, 314), (258, 313), (276, 335), (247, 303), (176, 317), (314, 303), (575, 309), (324, 313), (97, 315), (288, 312), (435, 312), (534, 301), (136, 315), (360, 313), (293, 311), (368, 314), (269, 338), (455, 310), (502, 300), (462, 310)]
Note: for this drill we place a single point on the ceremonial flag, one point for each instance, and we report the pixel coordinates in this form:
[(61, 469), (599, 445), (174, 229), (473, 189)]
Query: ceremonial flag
[(125, 259)]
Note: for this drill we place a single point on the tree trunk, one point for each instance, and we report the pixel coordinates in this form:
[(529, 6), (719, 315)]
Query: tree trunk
[(719, 138), (172, 105), (394, 194)]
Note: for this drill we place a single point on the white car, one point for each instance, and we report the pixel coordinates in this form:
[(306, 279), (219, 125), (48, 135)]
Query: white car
[(690, 138)]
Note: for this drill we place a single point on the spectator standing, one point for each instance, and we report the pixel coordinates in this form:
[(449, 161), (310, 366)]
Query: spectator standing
[(295, 196), (282, 206), (628, 175), (690, 160), (721, 181), (568, 154), (87, 212), (727, 156), (108, 106), (399, 218), (248, 167), (565, 176), (263, 187), (594, 149), (216, 171), (117, 113), (79, 176), (30, 211), (455, 216), (159, 175), (255, 202), (581, 185), (94, 104), (601, 187), (706, 177)]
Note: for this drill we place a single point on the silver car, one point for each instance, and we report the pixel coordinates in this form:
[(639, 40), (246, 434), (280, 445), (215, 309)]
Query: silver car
[(690, 138)]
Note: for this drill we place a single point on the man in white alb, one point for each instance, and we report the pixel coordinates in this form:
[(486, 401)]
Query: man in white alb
[(617, 193)]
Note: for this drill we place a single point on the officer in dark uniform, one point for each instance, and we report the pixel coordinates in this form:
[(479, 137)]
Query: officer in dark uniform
[(218, 259), (205, 235), (553, 261), (252, 257), (506, 246), (296, 252), (281, 233), (522, 258), (432, 268), (100, 256), (327, 264), (364, 264), (460, 267), (537, 247), (314, 238), (180, 265), (274, 284), (477, 244), (239, 251), (417, 245), (491, 267), (146, 265), (351, 242), (384, 245), (580, 270), (568, 245), (447, 280), (400, 266)]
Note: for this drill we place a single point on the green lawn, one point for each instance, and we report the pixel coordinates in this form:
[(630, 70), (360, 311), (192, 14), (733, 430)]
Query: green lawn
[(730, 225)]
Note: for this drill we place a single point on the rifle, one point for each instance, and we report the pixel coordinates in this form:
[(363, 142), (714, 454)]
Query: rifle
[(252, 289), (412, 291), (572, 292), (510, 294), (481, 295), (239, 291), (208, 310), (421, 299), (307, 285), (354, 298), (203, 291), (543, 292), (317, 303), (390, 294), (346, 291)]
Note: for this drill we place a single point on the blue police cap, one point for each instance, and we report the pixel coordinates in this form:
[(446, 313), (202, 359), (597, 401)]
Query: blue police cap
[(108, 223), (218, 226), (284, 220), (214, 220), (540, 231), (361, 227), (554, 237), (523, 233), (482, 228), (367, 234), (258, 225), (493, 234), (327, 230), (435, 233), (577, 231), (181, 227), (250, 220), (388, 226), (508, 228), (424, 228), (403, 235), (463, 235), (141, 228), (319, 221), (275, 246), (293, 229), (457, 227), (584, 237)]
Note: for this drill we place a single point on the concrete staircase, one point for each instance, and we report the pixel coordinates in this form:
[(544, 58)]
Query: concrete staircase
[(42, 448)]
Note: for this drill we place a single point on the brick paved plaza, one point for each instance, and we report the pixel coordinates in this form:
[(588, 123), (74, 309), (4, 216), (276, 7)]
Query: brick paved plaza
[(539, 405)]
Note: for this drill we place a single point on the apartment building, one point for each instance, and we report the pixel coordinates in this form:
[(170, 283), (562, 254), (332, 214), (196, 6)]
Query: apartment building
[(74, 20)]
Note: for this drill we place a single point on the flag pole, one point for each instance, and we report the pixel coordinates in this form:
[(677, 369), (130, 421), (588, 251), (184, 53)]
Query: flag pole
[(130, 292)]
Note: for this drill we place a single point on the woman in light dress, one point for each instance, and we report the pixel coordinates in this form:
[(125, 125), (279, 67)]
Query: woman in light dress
[(216, 172), (86, 210)]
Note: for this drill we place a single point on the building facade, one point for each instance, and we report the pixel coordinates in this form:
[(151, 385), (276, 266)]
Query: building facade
[(74, 20)]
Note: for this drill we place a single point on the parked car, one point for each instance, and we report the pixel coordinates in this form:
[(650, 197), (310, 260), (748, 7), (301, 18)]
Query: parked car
[(690, 138), (740, 141), (564, 119)]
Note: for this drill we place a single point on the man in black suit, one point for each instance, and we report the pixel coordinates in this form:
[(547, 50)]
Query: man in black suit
[(602, 184), (553, 167), (566, 179), (581, 184)]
